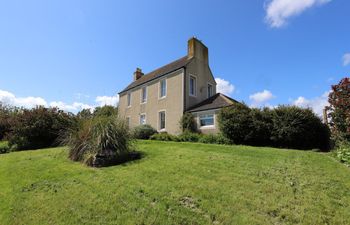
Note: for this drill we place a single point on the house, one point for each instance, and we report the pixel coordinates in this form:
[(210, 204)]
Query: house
[(161, 97)]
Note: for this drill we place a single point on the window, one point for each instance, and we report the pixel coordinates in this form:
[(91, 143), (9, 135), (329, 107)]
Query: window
[(206, 120), (128, 122), (162, 120), (143, 119), (144, 95), (129, 99), (210, 90), (193, 86), (162, 88)]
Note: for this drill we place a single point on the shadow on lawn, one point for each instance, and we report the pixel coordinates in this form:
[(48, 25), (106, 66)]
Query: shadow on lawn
[(107, 160)]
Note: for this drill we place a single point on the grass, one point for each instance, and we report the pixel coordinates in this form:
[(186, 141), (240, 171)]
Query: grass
[(176, 183)]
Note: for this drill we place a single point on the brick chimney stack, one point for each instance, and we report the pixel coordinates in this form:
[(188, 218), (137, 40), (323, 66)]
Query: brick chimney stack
[(198, 50), (138, 74)]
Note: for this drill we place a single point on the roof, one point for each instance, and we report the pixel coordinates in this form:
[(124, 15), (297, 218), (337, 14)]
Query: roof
[(214, 102), (171, 67)]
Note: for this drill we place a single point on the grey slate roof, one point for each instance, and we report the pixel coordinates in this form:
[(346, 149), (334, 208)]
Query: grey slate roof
[(171, 67), (214, 102)]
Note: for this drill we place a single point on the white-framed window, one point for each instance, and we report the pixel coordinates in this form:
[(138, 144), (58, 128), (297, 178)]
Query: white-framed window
[(143, 119), (128, 121), (210, 90), (193, 86), (206, 120), (129, 99), (161, 120), (144, 95), (162, 86)]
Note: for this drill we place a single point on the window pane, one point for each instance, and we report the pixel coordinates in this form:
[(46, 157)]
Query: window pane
[(142, 119), (129, 99), (206, 120), (144, 94), (162, 88), (210, 90), (192, 86), (161, 120)]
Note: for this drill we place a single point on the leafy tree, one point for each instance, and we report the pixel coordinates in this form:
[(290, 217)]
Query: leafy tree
[(339, 109), (84, 114), (187, 123), (106, 110)]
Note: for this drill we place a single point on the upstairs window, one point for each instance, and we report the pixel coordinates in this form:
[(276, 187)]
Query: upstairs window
[(162, 93), (129, 99), (193, 84), (162, 120), (206, 120), (144, 95), (143, 119), (210, 90)]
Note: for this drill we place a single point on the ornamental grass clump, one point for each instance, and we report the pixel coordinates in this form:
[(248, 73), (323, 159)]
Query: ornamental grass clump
[(101, 141)]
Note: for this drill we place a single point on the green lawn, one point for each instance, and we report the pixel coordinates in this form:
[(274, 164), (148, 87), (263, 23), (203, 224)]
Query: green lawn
[(176, 183)]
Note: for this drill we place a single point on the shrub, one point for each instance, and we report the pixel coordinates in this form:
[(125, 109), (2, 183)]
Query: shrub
[(214, 139), (163, 136), (343, 153), (235, 122), (189, 137), (106, 110), (144, 131), (7, 114), (4, 148), (188, 123), (260, 127), (100, 141), (298, 128), (38, 127)]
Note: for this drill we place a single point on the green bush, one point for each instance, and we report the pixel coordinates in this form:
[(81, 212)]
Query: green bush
[(101, 141), (4, 148), (106, 110), (343, 153), (188, 123), (144, 131), (298, 128), (163, 136), (235, 122), (214, 139), (189, 137), (38, 128)]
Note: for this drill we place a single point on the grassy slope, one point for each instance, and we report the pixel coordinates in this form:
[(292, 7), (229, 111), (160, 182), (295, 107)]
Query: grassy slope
[(176, 183)]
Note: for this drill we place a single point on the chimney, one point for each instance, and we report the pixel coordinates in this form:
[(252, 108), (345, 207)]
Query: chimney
[(198, 50), (138, 74)]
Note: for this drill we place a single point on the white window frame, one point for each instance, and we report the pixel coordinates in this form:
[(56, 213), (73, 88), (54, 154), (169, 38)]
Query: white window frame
[(195, 86), (142, 99), (142, 114), (212, 89), (128, 99), (159, 121), (206, 114), (160, 88)]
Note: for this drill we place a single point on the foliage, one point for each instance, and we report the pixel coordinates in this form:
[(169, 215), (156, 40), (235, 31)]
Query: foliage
[(339, 109), (284, 126), (84, 114), (214, 139), (189, 137), (343, 152), (298, 128), (235, 122), (143, 131), (7, 114), (177, 183), (106, 110), (4, 148), (163, 136), (101, 136), (188, 123), (38, 128)]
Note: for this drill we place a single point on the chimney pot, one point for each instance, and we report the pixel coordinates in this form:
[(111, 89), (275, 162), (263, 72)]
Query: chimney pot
[(138, 74)]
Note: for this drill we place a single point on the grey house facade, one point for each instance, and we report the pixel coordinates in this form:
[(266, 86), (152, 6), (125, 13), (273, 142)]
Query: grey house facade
[(161, 97)]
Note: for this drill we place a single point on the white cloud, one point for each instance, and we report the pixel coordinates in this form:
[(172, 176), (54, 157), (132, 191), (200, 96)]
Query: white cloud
[(9, 98), (27, 102), (107, 100), (279, 11), (261, 97), (316, 104), (346, 59), (224, 86)]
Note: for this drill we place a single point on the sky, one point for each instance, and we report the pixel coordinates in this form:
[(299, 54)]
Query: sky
[(80, 54)]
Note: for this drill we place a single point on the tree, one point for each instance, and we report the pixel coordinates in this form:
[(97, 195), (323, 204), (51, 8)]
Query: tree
[(339, 109), (187, 123), (106, 110)]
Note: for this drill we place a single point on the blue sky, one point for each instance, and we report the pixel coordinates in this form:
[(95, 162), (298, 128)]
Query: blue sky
[(78, 54)]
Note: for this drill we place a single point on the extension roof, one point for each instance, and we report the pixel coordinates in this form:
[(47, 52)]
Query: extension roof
[(216, 101)]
